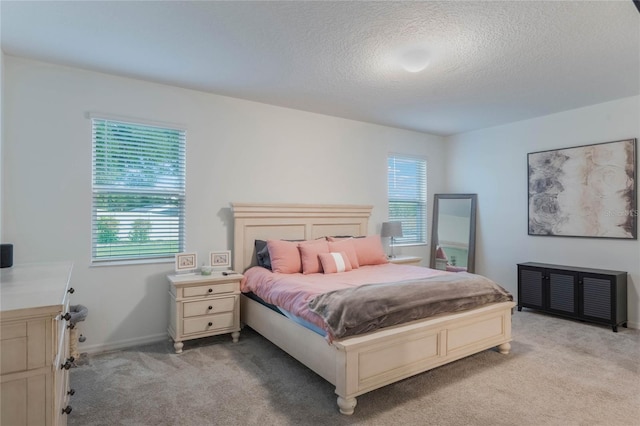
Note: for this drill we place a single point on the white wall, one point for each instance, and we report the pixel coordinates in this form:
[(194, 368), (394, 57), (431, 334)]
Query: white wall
[(493, 163), (237, 151)]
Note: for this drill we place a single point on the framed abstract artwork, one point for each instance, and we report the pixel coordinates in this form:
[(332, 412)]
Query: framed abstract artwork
[(584, 191)]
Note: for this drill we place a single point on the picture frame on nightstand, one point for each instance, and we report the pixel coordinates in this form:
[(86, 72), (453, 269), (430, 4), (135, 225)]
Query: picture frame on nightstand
[(186, 262), (220, 259)]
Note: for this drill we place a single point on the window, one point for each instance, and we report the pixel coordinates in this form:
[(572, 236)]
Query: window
[(407, 192), (138, 191)]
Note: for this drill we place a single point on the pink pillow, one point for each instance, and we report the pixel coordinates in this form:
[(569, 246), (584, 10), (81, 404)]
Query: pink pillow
[(346, 246), (285, 257), (309, 251), (369, 250), (335, 262)]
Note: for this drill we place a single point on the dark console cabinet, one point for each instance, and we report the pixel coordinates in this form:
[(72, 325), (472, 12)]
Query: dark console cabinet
[(587, 294)]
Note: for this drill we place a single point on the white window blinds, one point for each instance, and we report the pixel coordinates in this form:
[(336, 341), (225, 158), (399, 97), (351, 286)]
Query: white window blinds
[(407, 191), (138, 191)]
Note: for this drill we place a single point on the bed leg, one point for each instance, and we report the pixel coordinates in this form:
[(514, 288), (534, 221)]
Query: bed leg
[(504, 348), (234, 336), (347, 405)]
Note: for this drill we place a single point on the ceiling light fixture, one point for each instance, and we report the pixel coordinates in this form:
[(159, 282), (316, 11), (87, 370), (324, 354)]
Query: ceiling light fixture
[(414, 60)]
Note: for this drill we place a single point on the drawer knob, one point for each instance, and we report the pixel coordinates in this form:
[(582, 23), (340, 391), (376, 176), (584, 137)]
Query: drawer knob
[(210, 324), (71, 392), (210, 290), (66, 316), (71, 326), (67, 365), (210, 307), (71, 290), (67, 409)]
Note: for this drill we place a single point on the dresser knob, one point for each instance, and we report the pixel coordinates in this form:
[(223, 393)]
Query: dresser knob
[(66, 316), (71, 290), (71, 392), (71, 326), (66, 410), (71, 359), (210, 324), (210, 307), (210, 290), (66, 365)]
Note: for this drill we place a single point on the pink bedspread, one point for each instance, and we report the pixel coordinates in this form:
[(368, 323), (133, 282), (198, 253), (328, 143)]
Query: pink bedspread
[(293, 292)]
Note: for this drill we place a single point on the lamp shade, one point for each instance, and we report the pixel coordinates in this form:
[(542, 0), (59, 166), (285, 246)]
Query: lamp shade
[(391, 229)]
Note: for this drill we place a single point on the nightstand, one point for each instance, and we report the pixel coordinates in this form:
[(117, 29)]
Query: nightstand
[(406, 260), (203, 306)]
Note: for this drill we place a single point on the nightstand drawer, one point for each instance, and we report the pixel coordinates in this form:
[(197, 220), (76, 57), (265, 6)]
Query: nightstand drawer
[(208, 307), (205, 290), (208, 323)]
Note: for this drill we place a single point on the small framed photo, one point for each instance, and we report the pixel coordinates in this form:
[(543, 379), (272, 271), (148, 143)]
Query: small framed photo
[(220, 259), (186, 261)]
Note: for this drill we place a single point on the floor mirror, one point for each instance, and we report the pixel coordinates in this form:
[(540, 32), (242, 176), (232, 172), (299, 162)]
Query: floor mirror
[(453, 232)]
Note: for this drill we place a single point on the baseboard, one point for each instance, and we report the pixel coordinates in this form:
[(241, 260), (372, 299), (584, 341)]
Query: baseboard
[(631, 324), (122, 344)]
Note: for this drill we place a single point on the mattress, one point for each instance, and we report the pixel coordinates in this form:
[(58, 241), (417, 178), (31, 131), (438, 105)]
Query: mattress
[(370, 297)]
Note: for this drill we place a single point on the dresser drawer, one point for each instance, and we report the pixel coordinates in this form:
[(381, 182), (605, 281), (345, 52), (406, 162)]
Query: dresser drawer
[(201, 324), (207, 290), (208, 307)]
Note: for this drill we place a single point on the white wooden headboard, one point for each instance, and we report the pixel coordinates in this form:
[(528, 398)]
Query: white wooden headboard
[(291, 222)]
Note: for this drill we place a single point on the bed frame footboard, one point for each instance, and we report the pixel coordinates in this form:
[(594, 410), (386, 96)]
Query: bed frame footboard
[(360, 364)]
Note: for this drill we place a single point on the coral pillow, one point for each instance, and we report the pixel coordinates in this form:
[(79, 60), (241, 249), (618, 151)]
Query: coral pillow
[(309, 251), (285, 256), (369, 250), (334, 262), (346, 246)]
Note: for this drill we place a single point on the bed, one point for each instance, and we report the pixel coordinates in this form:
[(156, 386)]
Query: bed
[(362, 363)]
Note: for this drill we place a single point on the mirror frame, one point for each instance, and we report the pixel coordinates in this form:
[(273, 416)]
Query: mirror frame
[(471, 261)]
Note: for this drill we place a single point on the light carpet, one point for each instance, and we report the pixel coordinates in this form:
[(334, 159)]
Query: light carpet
[(559, 372)]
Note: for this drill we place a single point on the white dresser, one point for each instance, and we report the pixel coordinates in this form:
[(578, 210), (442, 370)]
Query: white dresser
[(202, 306), (34, 344)]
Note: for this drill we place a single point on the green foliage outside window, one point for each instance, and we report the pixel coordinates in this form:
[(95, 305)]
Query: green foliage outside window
[(107, 230), (140, 231)]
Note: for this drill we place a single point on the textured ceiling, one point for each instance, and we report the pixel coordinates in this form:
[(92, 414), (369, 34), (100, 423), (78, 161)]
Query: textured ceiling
[(490, 62)]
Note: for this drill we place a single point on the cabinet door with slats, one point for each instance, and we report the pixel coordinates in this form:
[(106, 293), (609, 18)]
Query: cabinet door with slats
[(530, 287), (596, 295), (562, 292)]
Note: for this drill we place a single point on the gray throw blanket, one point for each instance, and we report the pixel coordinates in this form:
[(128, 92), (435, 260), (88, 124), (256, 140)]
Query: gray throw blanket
[(369, 307)]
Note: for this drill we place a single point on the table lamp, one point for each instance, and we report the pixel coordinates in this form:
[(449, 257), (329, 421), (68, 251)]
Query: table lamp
[(391, 230)]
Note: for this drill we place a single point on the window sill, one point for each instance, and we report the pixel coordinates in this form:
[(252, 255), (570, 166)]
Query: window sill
[(125, 262)]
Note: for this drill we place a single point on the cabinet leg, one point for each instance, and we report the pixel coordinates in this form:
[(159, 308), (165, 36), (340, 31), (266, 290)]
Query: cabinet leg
[(615, 328), (519, 308), (624, 325), (178, 347), (235, 335), (347, 405)]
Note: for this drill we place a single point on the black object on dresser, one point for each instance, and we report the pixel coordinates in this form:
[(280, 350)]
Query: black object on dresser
[(588, 294)]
